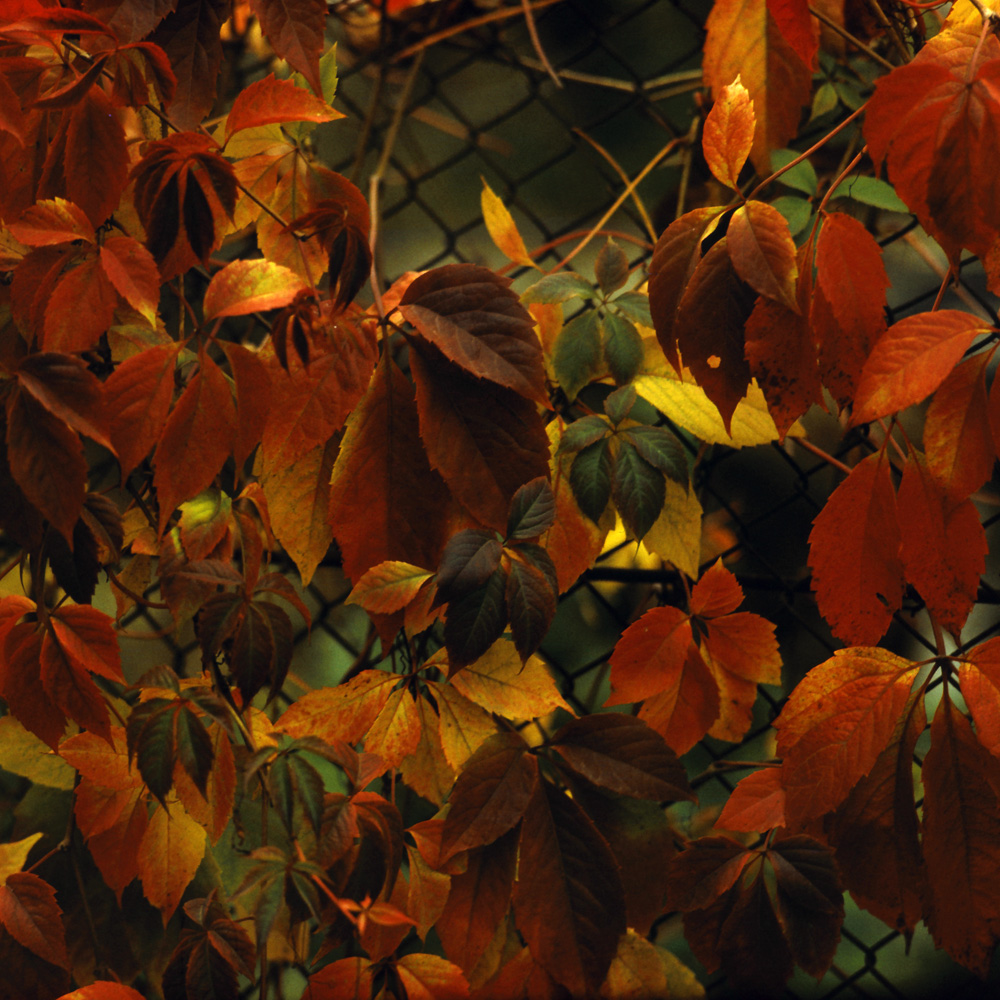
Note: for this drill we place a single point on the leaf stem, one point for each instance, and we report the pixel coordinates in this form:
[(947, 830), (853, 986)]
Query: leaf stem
[(826, 456)]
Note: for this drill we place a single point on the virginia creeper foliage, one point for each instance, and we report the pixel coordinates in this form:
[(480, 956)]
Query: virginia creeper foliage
[(209, 396)]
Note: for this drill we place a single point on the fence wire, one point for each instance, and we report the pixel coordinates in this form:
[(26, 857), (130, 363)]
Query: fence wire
[(458, 91)]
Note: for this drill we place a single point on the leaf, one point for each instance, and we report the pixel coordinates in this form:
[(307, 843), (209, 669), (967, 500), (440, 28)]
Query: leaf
[(659, 448), (531, 598), (132, 271), (727, 135), (469, 559), (756, 804), (979, 680), (559, 287), (246, 286), (103, 989), (622, 754), (52, 221), (30, 914), (139, 392), (475, 320), (762, 251), (797, 27), (95, 137), (429, 977), (873, 191), (743, 38), (622, 348), (676, 534), (641, 969), (295, 30), (271, 100), (344, 979), (675, 257), (911, 359), (854, 554), (475, 620), (943, 545), (345, 712), (837, 721), (649, 651), (500, 683), (484, 440), (502, 228), (961, 840), (388, 587), (590, 478), (395, 732), (80, 309), (875, 832), (196, 439), (463, 725), (490, 795), (931, 121), (847, 312), (638, 490), (171, 850), (385, 502), (611, 267), (532, 511), (569, 904), (958, 442), (710, 321)]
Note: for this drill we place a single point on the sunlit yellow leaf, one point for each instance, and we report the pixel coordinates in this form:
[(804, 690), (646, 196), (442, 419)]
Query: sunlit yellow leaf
[(502, 228)]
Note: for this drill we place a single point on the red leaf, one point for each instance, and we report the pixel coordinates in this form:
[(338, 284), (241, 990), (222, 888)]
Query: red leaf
[(979, 679), (911, 359), (943, 545), (21, 686), (133, 272), (96, 137), (67, 682), (688, 707), (717, 593), (139, 392), (961, 840), (253, 399), (103, 990), (86, 636), (295, 30), (847, 313), (46, 461), (762, 251), (727, 135), (756, 804), (710, 322), (837, 721), (472, 316), (958, 442), (854, 554), (196, 439), (31, 915), (51, 222), (485, 440), (569, 904), (650, 651), (385, 502), (272, 100), (80, 310), (797, 27)]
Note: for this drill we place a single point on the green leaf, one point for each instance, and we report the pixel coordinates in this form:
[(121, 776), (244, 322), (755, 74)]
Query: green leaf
[(797, 212), (583, 432), (619, 403), (635, 306), (531, 605), (468, 561), (622, 348), (292, 777), (532, 510), (825, 100), (638, 489), (577, 353), (560, 287), (661, 449), (474, 621), (872, 191), (802, 177), (611, 267), (590, 479)]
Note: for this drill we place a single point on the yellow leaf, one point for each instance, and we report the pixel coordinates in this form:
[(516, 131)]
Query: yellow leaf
[(172, 848), (676, 534), (25, 754), (14, 855), (502, 228), (641, 970), (498, 683), (464, 725), (427, 770)]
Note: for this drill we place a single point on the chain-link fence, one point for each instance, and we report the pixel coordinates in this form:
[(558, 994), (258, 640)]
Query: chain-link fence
[(557, 115)]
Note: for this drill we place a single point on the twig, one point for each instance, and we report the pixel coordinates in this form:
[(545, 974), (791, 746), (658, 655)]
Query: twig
[(880, 16), (826, 456), (853, 39), (529, 20)]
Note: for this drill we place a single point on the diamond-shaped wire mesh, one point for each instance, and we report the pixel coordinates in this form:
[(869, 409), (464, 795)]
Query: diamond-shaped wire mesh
[(431, 109)]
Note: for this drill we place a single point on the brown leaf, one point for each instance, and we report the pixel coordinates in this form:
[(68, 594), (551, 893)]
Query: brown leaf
[(95, 137), (80, 310), (295, 30), (762, 251), (31, 915)]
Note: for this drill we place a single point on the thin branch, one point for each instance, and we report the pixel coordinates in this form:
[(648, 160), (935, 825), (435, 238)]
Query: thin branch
[(536, 42), (853, 39), (890, 28)]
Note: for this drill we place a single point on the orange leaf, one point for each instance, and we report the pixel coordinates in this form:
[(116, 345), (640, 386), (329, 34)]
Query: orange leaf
[(52, 221), (131, 269), (344, 979), (68, 683), (837, 721), (979, 679), (103, 990), (385, 502), (395, 732), (171, 850), (710, 323), (717, 593), (743, 39), (81, 308), (272, 100), (756, 804), (727, 135), (847, 312), (253, 398), (958, 442), (246, 286), (688, 707), (31, 915), (196, 439), (961, 840), (762, 251), (139, 392), (943, 545), (649, 654), (911, 359), (429, 977), (854, 554), (388, 587)]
